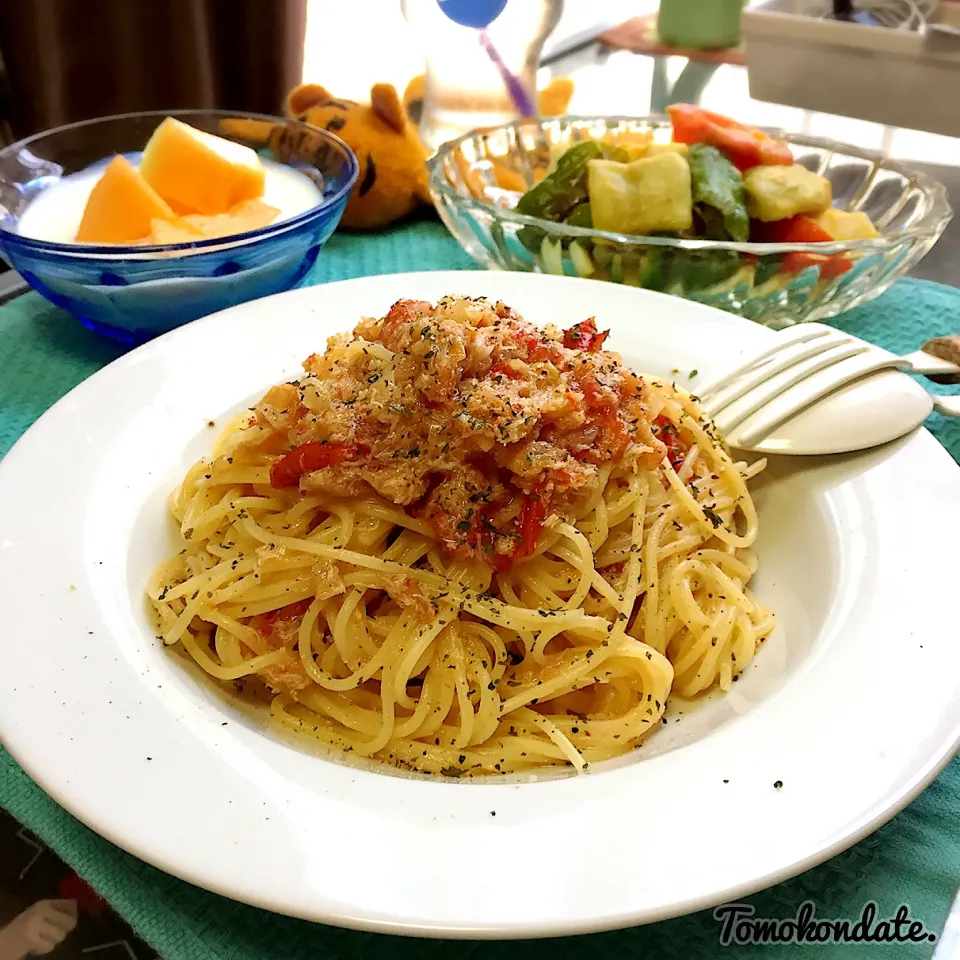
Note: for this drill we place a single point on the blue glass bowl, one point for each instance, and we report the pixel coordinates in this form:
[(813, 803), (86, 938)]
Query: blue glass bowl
[(133, 293)]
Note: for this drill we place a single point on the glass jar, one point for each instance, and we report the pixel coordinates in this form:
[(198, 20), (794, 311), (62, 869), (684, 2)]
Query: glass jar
[(464, 89)]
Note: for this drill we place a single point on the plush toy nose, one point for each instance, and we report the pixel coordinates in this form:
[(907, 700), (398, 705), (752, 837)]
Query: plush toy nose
[(473, 13)]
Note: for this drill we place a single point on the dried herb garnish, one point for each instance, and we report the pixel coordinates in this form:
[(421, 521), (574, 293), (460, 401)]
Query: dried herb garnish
[(713, 517)]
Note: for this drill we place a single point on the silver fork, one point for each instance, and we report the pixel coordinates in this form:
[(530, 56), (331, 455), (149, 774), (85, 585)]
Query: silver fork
[(805, 364)]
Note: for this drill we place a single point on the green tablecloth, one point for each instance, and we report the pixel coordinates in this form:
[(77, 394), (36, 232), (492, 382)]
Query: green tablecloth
[(914, 860)]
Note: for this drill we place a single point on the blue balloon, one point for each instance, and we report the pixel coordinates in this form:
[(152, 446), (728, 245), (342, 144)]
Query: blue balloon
[(473, 13)]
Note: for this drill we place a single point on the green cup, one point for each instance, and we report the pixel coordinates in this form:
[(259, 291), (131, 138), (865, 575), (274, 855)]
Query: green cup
[(700, 24)]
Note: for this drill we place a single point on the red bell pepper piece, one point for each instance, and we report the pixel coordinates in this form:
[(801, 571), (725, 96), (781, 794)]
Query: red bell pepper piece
[(803, 229), (744, 146), (799, 229), (830, 267), (308, 457)]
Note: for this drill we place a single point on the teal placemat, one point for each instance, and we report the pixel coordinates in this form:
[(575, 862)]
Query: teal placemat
[(913, 860)]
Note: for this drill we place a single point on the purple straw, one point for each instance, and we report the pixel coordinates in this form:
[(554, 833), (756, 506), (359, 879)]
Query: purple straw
[(518, 93)]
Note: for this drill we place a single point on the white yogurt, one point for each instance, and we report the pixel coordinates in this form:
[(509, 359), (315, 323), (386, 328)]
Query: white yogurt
[(55, 214)]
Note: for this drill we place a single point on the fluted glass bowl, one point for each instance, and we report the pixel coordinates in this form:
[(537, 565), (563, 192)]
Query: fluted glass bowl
[(133, 293), (477, 179)]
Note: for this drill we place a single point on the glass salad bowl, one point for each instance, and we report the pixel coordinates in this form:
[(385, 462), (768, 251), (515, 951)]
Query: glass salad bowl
[(477, 180), (132, 293)]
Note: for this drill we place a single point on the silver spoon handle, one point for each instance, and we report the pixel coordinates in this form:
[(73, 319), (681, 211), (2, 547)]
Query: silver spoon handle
[(931, 366), (948, 406), (945, 350)]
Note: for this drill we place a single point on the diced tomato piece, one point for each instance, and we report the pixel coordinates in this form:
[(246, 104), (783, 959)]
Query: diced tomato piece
[(574, 401), (501, 369), (478, 536), (616, 439), (308, 457), (745, 146), (603, 410), (529, 524), (266, 623), (595, 397), (527, 529), (613, 570), (584, 336), (537, 347), (668, 434)]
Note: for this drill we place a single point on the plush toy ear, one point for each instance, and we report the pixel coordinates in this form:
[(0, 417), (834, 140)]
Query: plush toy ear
[(387, 106), (307, 95), (414, 90)]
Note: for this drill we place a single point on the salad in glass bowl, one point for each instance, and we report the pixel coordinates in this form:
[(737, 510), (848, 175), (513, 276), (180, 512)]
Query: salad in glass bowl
[(777, 228)]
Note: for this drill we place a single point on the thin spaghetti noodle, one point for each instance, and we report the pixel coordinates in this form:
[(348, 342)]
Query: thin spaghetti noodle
[(462, 545)]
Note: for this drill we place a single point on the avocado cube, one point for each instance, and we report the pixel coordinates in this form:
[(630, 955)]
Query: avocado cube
[(779, 192), (649, 195), (847, 224)]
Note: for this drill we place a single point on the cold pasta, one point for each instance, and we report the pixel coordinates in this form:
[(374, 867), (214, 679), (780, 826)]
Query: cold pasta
[(461, 544)]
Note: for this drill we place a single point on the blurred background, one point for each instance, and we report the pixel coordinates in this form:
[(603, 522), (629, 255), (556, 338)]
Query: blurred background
[(65, 60)]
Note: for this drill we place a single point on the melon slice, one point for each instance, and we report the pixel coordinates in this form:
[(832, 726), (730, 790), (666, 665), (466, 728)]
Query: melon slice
[(248, 215), (122, 207), (173, 231), (197, 172)]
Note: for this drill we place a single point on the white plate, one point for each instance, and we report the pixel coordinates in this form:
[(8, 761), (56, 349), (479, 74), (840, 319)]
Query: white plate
[(853, 705)]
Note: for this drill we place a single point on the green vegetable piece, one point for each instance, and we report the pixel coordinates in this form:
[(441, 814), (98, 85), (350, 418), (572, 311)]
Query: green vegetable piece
[(719, 198), (555, 196), (765, 269), (655, 272), (697, 270), (616, 268), (580, 216), (559, 192), (531, 238)]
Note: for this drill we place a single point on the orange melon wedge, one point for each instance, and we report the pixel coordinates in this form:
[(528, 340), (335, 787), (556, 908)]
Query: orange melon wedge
[(122, 207)]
